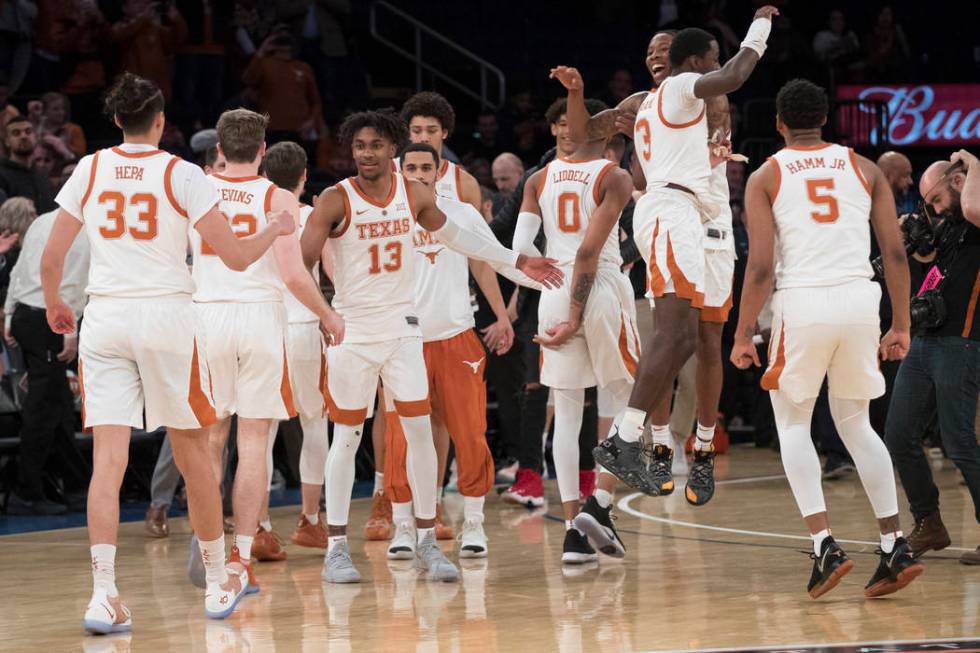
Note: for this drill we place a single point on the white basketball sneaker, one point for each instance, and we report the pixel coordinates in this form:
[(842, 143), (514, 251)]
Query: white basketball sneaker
[(107, 614), (472, 541), (219, 602), (402, 546)]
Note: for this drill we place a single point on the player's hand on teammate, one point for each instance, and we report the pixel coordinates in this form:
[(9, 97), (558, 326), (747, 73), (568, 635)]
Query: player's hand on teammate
[(498, 337), (894, 345), (768, 11), (69, 350), (625, 122), (541, 269), (557, 335), (285, 221), (332, 327), (61, 319), (569, 77), (744, 354)]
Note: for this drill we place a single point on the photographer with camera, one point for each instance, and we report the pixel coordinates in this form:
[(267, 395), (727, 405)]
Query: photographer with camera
[(942, 370)]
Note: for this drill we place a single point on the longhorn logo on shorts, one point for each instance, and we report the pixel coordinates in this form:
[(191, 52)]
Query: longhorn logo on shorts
[(475, 365), (432, 255)]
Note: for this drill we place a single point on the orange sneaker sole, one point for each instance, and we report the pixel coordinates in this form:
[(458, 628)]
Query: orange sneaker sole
[(833, 581), (889, 586)]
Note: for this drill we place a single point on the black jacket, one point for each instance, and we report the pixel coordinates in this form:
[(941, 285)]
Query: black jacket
[(18, 181)]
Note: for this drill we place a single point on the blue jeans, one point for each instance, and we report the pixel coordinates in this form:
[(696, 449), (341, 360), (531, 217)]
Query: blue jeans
[(940, 374)]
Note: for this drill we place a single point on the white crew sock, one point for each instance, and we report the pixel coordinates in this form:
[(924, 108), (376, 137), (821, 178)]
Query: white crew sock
[(603, 497), (213, 555), (104, 568), (888, 541), (266, 524), (401, 512), (422, 532), (660, 434), (818, 539), (702, 442), (244, 544), (473, 509), (379, 482), (314, 519), (334, 540), (631, 424)]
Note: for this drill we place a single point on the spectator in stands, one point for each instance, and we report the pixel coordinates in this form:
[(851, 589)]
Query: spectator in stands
[(285, 88), (619, 88), (889, 55), (50, 161), (57, 128), (486, 203), (837, 42), (148, 35), (48, 412), (18, 178), (487, 142), (507, 171), (898, 172), (16, 34), (7, 111), (16, 215), (200, 64)]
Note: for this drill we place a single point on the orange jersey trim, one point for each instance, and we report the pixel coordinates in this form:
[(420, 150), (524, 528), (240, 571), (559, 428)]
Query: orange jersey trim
[(598, 180), (324, 392), (411, 204), (779, 178), (199, 402), (459, 183), (667, 123), (419, 408), (235, 179), (337, 233), (91, 179), (81, 388), (970, 309), (857, 170), (370, 200), (770, 380), (268, 198), (624, 349), (657, 283), (717, 314), (168, 186), (135, 155), (544, 180), (682, 287), (808, 148), (286, 390)]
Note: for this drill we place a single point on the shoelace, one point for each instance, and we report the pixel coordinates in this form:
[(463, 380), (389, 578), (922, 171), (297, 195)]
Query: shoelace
[(701, 473)]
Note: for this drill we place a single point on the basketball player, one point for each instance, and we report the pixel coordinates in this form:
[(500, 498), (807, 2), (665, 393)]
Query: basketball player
[(369, 221), (141, 348), (284, 164), (244, 320), (454, 361), (668, 231), (588, 332), (813, 201)]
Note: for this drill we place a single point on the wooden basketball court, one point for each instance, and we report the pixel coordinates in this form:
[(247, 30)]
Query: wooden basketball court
[(731, 574)]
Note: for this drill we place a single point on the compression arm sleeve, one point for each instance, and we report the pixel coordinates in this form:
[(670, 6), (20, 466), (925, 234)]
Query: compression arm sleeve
[(474, 244), (528, 225)]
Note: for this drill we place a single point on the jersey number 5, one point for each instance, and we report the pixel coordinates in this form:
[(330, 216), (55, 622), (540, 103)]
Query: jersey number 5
[(115, 203), (569, 219), (394, 262), (814, 188), (242, 225)]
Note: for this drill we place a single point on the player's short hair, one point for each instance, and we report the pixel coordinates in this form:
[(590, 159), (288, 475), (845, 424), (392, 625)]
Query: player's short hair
[(430, 105), (419, 147), (134, 102), (559, 108), (211, 156), (284, 164), (801, 104), (386, 122), (240, 134), (690, 42)]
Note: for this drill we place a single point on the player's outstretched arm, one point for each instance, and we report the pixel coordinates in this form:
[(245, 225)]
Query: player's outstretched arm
[(475, 243), (615, 191), (761, 225), (239, 253), (61, 319), (499, 336), (884, 221), (581, 126), (529, 219), (736, 71), (298, 279), (329, 210)]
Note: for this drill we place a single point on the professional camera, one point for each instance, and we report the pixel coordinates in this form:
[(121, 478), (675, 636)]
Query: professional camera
[(928, 311), (919, 236)]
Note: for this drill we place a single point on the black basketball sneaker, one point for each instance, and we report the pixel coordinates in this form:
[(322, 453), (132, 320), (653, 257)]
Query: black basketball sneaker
[(895, 570), (661, 462), (596, 522), (701, 481), (576, 549), (828, 568), (625, 461)]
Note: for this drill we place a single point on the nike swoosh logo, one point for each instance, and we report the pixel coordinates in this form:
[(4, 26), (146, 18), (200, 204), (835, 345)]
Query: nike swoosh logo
[(361, 212), (475, 364)]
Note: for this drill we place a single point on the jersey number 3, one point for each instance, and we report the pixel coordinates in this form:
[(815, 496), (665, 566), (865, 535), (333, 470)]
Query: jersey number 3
[(814, 189), (115, 203)]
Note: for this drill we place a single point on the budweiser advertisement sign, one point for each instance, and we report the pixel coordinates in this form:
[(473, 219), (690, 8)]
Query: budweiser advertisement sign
[(925, 115)]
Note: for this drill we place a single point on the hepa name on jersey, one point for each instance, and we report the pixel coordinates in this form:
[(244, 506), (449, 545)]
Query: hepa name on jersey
[(811, 162), (129, 172), (383, 228), (236, 195), (571, 175)]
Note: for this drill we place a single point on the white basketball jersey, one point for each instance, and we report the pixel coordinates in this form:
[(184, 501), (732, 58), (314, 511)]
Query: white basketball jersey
[(137, 204), (568, 195), (244, 203), (671, 135), (821, 208), (442, 281), (295, 310), (448, 180), (373, 257), (719, 193)]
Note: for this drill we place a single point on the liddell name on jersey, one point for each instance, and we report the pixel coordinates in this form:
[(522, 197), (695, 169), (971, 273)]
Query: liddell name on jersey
[(129, 172), (236, 195), (383, 228), (580, 176), (813, 162)]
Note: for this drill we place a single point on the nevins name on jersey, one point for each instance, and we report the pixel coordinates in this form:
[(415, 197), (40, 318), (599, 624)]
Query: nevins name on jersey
[(236, 195)]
